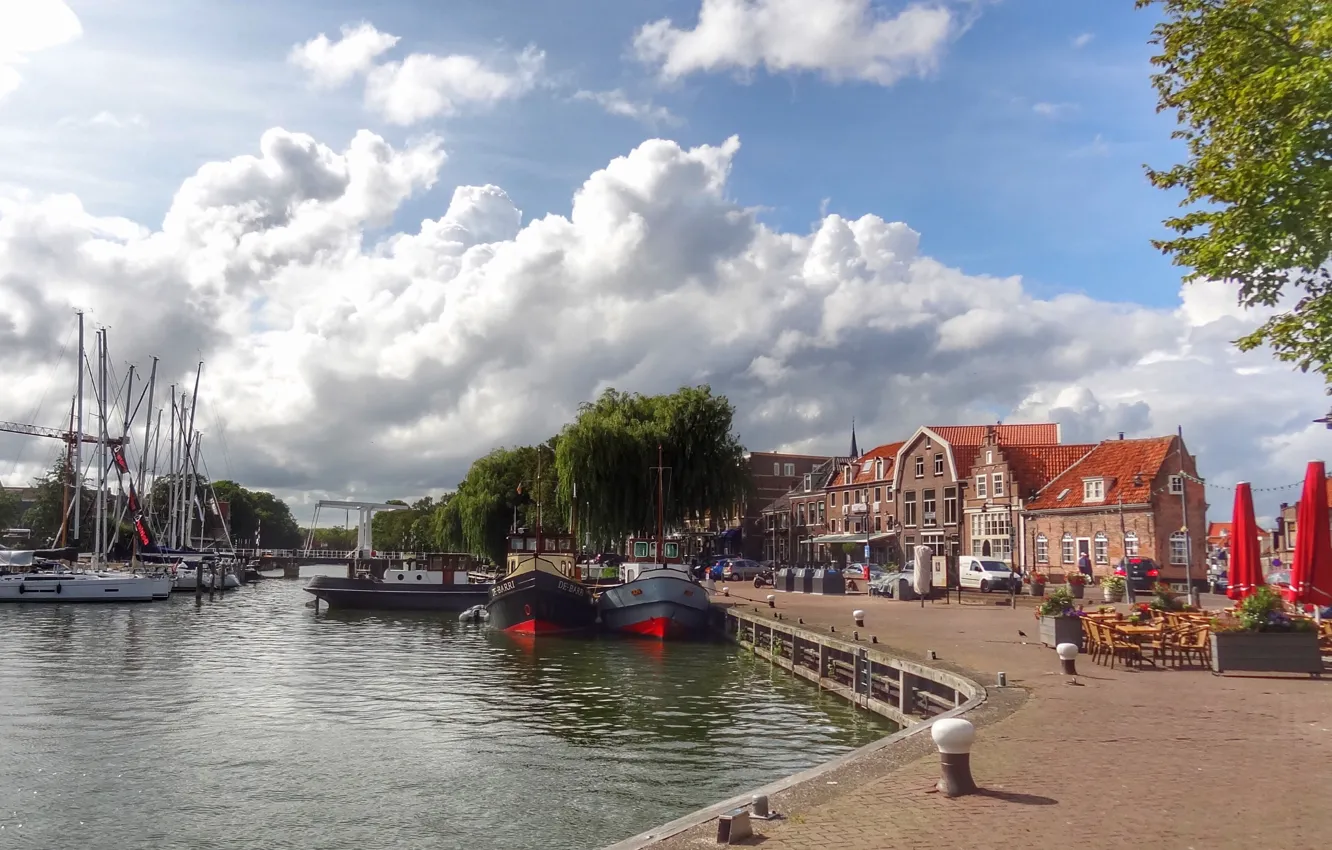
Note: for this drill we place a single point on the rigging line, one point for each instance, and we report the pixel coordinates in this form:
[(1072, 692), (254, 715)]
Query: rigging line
[(50, 379)]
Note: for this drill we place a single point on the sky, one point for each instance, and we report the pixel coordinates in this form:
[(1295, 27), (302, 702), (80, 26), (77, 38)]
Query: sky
[(399, 237)]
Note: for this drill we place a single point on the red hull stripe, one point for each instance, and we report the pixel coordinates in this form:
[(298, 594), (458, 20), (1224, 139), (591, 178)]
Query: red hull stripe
[(536, 627), (657, 627)]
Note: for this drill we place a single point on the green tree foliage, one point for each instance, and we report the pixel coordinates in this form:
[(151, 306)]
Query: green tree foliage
[(499, 488), (257, 511), (46, 513), (1251, 83), (11, 509), (610, 450), (338, 539)]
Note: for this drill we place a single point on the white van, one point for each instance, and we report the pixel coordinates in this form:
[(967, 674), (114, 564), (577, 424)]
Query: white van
[(986, 574)]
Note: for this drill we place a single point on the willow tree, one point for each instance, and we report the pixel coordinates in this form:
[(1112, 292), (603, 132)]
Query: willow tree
[(505, 487), (609, 452)]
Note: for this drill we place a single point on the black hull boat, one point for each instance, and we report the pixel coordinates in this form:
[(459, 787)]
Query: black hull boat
[(374, 595), (536, 602)]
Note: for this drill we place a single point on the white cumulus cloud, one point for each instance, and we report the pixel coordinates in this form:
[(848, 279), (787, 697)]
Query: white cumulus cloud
[(343, 362), (424, 85), (842, 39), (616, 102), (28, 27), (334, 63)]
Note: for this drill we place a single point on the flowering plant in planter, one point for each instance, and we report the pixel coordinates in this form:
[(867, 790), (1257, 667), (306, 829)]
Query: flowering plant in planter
[(1115, 584), (1059, 604), (1076, 579), (1036, 578), (1261, 611)]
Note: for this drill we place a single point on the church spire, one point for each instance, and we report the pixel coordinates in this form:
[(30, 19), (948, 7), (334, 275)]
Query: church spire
[(855, 450)]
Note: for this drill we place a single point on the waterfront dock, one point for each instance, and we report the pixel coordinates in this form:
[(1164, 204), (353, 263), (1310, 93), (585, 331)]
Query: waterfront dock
[(1173, 758)]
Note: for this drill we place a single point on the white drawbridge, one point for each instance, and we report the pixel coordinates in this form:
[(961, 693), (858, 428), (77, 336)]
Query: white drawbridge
[(365, 512)]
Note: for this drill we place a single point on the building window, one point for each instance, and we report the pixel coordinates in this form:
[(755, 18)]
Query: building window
[(1102, 548), (909, 509), (1068, 556), (981, 481), (789, 470), (1177, 484), (1093, 490), (832, 498), (878, 495), (938, 464), (777, 468), (930, 518), (1130, 545), (998, 484), (950, 506), (1179, 548), (878, 468), (846, 475), (920, 467), (802, 514), (989, 457), (888, 493), (1042, 549), (809, 482), (878, 523)]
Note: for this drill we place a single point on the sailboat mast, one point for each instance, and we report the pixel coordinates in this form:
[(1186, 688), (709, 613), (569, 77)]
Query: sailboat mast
[(118, 514), (661, 509), (538, 498), (147, 426), (68, 481), (100, 555), (171, 478), (78, 437), (194, 405)]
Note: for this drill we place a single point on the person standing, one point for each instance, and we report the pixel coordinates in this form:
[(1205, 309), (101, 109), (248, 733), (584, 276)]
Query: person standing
[(1084, 566)]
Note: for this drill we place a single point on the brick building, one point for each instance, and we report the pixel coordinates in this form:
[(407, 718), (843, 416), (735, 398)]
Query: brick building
[(774, 474), (795, 518), (1287, 526), (1122, 498)]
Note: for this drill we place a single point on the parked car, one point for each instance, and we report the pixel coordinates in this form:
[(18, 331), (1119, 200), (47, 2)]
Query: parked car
[(885, 584), (1217, 581), (741, 569), (986, 574), (1142, 572)]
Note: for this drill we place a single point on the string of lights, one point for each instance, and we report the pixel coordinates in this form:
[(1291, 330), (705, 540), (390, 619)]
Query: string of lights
[(1231, 488)]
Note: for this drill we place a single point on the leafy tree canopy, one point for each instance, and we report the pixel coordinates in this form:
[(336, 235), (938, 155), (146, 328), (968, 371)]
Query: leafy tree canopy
[(1251, 84), (610, 451)]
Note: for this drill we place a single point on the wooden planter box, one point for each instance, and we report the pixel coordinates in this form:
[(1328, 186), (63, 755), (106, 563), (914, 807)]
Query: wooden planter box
[(1266, 652), (1057, 630)]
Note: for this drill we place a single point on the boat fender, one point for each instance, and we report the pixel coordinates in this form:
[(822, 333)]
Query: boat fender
[(57, 587), (23, 588), (527, 610)]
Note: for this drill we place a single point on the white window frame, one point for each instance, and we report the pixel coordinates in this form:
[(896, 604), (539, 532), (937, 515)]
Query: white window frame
[(1068, 550), (1093, 490), (981, 481), (989, 457), (997, 484), (788, 469), (776, 467), (1101, 548), (1042, 549), (1176, 484), (809, 482), (938, 464), (1181, 540), (920, 467), (1131, 545)]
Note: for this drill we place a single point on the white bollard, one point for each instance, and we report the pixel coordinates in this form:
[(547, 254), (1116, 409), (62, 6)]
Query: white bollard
[(1068, 658), (954, 737), (772, 601), (859, 617)]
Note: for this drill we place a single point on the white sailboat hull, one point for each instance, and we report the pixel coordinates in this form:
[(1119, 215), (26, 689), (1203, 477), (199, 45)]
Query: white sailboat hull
[(77, 587)]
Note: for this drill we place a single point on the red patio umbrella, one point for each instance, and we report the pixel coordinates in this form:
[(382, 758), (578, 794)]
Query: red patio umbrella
[(1311, 572), (1246, 564)]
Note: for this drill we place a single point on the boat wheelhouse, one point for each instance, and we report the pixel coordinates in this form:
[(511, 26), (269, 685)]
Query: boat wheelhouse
[(539, 591)]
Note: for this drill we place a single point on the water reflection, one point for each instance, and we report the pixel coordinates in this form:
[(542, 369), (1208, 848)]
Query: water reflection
[(252, 721)]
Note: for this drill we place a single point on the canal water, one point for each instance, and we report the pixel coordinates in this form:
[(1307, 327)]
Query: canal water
[(256, 723)]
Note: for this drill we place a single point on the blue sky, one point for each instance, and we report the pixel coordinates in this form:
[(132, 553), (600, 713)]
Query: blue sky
[(1021, 155)]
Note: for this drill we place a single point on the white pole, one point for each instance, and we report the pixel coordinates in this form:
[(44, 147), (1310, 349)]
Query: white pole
[(78, 439)]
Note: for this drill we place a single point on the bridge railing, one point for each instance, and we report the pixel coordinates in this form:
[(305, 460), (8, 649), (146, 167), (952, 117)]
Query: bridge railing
[(316, 554)]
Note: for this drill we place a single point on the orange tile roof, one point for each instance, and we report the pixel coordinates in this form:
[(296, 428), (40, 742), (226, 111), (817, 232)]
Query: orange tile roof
[(888, 451), (1118, 461), (1026, 434), (1033, 467)]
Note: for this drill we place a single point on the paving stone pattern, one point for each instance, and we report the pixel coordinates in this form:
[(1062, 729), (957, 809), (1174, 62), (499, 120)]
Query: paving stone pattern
[(1168, 758)]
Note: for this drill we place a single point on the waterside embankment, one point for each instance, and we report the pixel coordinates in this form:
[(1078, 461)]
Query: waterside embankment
[(1175, 757)]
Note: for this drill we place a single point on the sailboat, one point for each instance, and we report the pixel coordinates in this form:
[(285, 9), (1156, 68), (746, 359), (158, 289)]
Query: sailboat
[(659, 598)]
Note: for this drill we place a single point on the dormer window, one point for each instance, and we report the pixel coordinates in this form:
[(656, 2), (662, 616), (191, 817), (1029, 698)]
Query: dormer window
[(878, 468), (846, 477), (1093, 490), (809, 482)]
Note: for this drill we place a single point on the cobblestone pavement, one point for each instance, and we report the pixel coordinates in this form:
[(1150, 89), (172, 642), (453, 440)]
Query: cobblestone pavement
[(1168, 758)]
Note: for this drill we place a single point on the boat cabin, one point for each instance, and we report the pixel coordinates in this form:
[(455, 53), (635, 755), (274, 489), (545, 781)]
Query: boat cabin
[(554, 550), (645, 550)]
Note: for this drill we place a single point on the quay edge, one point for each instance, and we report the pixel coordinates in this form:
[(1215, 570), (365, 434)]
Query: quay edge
[(791, 647)]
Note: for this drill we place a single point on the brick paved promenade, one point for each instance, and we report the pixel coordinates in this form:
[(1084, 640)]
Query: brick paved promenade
[(1157, 758)]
